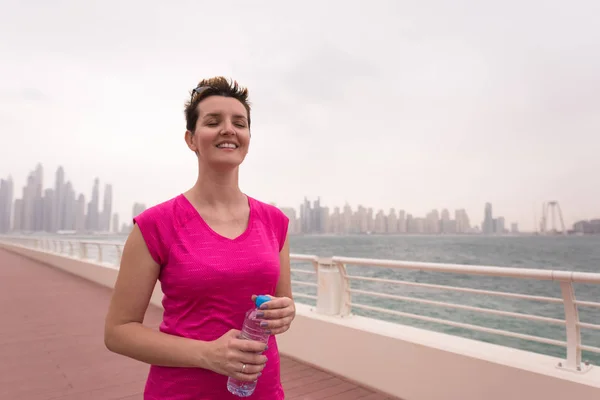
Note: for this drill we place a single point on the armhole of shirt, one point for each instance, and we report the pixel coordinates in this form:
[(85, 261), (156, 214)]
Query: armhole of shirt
[(148, 224)]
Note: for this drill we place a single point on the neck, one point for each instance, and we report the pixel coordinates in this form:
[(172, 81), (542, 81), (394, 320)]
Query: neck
[(217, 187)]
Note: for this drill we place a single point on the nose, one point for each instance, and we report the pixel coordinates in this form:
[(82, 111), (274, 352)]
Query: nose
[(227, 128)]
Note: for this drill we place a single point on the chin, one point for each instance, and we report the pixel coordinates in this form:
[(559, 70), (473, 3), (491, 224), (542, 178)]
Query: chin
[(224, 165)]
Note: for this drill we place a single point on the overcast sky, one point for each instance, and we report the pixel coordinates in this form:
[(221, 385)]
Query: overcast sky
[(404, 104)]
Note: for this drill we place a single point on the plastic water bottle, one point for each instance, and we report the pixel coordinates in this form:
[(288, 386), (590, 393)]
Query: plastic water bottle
[(250, 331)]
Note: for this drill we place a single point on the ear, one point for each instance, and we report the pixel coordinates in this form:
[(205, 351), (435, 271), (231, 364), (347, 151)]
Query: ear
[(189, 140)]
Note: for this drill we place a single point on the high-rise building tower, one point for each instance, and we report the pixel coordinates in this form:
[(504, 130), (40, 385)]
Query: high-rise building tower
[(93, 220), (69, 207), (48, 206), (115, 223), (38, 199), (6, 202), (487, 226), (106, 208), (29, 204), (80, 214), (138, 208), (59, 200)]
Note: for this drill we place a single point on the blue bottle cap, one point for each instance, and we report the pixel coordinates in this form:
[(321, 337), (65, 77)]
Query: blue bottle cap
[(260, 300)]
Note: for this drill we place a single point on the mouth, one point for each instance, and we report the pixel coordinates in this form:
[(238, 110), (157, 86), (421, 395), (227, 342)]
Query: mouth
[(227, 145)]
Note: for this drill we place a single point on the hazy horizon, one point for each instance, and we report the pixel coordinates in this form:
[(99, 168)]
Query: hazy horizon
[(420, 106)]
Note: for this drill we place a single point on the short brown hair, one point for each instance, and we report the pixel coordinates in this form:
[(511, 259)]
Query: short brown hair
[(216, 86)]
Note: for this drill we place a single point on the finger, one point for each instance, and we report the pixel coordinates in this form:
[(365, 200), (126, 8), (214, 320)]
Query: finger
[(243, 372), (248, 369), (250, 346), (234, 333), (276, 302), (254, 296), (275, 323), (278, 331), (250, 358), (245, 377), (276, 313)]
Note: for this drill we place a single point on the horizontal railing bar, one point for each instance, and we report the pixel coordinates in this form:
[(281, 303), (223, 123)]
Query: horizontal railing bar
[(305, 296), (591, 348), (587, 303), (93, 242), (507, 272), (463, 307), (588, 326), (312, 284), (302, 271), (465, 326), (459, 289), (304, 257)]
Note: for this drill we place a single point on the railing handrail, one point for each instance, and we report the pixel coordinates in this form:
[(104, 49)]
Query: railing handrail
[(507, 272)]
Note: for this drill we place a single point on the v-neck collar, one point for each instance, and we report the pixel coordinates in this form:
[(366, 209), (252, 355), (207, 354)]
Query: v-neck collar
[(196, 215)]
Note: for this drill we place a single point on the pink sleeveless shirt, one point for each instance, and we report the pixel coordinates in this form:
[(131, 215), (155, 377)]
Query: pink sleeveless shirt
[(208, 281)]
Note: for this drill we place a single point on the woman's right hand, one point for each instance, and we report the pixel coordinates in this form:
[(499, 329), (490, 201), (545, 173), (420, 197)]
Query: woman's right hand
[(238, 358)]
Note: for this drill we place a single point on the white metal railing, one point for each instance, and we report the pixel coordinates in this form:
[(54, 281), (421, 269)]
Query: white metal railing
[(565, 279), (334, 292)]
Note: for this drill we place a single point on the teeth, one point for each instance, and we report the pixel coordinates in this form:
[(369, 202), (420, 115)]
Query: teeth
[(227, 145)]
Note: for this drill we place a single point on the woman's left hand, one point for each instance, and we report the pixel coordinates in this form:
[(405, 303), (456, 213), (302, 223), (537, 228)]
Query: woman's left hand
[(277, 314)]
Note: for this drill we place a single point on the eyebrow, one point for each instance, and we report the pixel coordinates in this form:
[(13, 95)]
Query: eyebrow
[(217, 115)]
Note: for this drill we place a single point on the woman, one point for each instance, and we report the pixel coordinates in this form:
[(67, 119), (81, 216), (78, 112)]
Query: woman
[(213, 249)]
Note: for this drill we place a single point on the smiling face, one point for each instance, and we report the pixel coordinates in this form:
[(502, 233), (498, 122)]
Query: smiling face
[(221, 136)]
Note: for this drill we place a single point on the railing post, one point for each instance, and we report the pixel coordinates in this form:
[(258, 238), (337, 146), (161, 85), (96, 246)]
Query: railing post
[(329, 288), (573, 362), (119, 254), (346, 306), (99, 253)]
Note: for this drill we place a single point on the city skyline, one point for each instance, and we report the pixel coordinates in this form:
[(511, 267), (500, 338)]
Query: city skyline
[(58, 206), (317, 219)]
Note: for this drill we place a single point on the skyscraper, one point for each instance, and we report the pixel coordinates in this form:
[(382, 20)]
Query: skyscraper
[(92, 216), (18, 215), (48, 206), (6, 200), (59, 199), (29, 204), (38, 202), (115, 223), (138, 208), (106, 208), (69, 207), (487, 226), (80, 214)]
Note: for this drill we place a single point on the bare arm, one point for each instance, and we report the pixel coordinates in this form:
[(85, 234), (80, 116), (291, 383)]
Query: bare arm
[(284, 285), (124, 332)]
